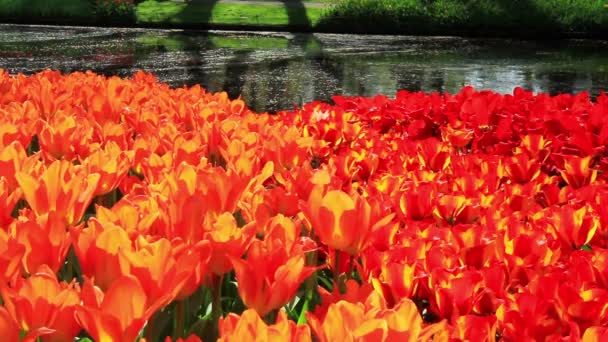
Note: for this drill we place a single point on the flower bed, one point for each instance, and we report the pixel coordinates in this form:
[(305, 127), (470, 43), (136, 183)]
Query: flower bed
[(129, 210)]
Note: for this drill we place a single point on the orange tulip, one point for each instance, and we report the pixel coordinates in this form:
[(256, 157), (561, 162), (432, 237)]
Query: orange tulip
[(8, 201), (434, 154), (11, 253), (136, 214), (63, 137), (120, 313), (62, 188), (475, 328), (98, 248), (577, 171), (41, 302), (344, 222), (158, 270), (371, 321), (201, 253), (595, 334), (583, 305), (111, 163), (270, 275), (9, 329), (575, 227), (417, 204), (454, 209), (457, 134), (527, 317), (353, 293), (228, 240), (522, 168), (13, 158), (250, 327), (45, 239)]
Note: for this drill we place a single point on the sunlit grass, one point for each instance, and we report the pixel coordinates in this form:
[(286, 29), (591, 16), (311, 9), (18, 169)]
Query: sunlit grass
[(151, 11)]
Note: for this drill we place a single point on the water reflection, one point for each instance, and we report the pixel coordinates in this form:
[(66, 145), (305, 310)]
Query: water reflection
[(274, 71)]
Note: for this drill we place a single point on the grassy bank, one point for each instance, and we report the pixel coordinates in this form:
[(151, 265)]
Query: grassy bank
[(469, 17), (159, 13), (192, 14), (530, 18)]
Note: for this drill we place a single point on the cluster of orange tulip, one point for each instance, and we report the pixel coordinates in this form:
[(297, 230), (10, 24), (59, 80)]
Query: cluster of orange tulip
[(130, 211)]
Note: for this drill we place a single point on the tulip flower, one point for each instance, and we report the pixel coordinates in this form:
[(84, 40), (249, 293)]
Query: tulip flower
[(97, 248), (46, 241), (61, 188), (595, 334), (11, 253), (475, 328), (577, 171), (41, 304), (454, 209), (158, 270), (250, 326), (228, 240), (344, 222), (270, 275), (111, 164), (9, 329), (64, 137), (119, 313), (434, 155), (576, 227), (8, 202), (13, 158), (371, 321)]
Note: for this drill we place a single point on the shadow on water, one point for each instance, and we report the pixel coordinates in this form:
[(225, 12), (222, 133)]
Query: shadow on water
[(275, 71), (239, 65)]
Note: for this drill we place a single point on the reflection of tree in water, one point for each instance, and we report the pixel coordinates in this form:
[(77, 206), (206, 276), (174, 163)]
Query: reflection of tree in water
[(240, 64), (559, 82)]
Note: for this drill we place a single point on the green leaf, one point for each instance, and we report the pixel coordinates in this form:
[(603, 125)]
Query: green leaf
[(302, 317)]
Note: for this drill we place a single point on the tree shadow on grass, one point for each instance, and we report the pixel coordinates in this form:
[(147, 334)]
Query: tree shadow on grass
[(202, 12), (296, 12)]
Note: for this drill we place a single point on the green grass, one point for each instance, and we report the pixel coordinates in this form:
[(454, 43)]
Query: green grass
[(538, 18), (157, 12), (468, 16), (45, 8)]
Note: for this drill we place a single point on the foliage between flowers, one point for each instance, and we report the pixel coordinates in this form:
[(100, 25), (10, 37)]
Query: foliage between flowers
[(132, 211)]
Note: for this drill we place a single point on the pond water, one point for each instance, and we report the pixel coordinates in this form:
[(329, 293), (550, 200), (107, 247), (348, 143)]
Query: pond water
[(275, 71)]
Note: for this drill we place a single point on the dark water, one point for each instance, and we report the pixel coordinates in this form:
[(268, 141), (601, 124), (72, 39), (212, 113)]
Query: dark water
[(274, 71)]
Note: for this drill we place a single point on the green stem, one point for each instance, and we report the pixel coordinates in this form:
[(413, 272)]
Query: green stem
[(216, 306), (271, 317), (337, 269), (351, 267), (180, 313)]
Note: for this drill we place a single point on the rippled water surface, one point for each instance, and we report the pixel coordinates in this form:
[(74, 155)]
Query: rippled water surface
[(274, 71)]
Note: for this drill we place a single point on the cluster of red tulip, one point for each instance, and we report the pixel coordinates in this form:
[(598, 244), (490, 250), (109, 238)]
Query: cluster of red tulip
[(130, 211)]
